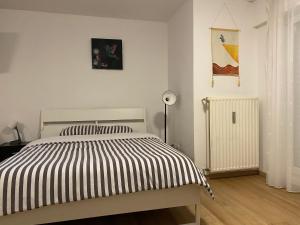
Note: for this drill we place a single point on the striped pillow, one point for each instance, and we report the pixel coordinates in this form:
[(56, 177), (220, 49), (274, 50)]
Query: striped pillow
[(83, 129), (115, 129)]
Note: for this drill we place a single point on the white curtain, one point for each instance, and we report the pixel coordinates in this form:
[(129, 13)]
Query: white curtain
[(293, 161), (282, 100)]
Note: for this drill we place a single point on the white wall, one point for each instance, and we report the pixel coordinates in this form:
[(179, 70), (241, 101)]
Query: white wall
[(47, 65), (190, 75), (261, 53), (204, 13), (261, 63), (180, 30)]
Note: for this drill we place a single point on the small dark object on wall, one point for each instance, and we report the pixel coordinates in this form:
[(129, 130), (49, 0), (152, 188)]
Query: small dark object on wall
[(107, 54)]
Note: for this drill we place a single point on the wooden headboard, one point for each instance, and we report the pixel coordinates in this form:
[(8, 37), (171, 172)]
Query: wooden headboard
[(54, 120)]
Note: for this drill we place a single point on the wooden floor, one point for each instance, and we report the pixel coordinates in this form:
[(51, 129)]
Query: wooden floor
[(239, 201)]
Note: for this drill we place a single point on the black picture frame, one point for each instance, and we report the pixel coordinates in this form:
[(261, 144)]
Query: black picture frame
[(107, 54)]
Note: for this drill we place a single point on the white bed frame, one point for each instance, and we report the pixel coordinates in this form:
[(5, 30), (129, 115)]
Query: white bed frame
[(52, 121)]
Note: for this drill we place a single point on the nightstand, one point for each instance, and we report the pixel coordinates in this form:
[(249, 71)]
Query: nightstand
[(9, 149)]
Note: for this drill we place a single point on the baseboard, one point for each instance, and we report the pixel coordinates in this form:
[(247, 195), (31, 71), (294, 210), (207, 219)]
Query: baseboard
[(189, 224), (263, 174), (235, 173)]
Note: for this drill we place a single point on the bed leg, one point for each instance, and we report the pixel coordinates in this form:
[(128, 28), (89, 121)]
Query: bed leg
[(197, 214)]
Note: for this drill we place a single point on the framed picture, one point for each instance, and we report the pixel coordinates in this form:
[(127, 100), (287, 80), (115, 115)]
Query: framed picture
[(107, 54)]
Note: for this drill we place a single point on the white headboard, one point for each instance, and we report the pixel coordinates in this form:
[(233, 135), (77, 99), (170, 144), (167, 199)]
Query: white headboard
[(54, 120)]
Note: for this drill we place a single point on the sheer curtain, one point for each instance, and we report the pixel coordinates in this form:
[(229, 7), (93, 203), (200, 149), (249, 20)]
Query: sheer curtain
[(293, 172), (283, 99)]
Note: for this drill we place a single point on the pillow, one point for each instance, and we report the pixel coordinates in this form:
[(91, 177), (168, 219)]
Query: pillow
[(83, 129), (114, 129)]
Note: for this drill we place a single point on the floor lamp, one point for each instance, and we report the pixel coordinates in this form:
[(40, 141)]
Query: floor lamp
[(169, 98)]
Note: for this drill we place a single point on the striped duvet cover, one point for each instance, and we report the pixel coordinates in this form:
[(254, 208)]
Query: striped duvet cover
[(65, 169)]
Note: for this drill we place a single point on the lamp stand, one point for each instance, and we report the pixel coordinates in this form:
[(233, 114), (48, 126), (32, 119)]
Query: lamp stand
[(168, 98), (18, 141), (19, 137), (165, 123)]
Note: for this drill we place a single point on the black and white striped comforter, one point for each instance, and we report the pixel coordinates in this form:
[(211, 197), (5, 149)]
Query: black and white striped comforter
[(66, 169)]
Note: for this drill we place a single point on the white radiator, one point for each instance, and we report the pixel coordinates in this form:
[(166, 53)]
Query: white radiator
[(233, 133)]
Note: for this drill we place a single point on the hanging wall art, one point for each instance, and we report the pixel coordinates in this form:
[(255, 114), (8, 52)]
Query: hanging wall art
[(107, 54), (225, 51)]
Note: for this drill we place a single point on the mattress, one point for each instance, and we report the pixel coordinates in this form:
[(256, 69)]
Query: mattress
[(58, 170)]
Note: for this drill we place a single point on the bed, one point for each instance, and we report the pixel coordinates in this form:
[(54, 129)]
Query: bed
[(60, 178)]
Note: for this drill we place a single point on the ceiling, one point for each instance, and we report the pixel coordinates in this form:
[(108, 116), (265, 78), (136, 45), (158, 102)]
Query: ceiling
[(157, 10)]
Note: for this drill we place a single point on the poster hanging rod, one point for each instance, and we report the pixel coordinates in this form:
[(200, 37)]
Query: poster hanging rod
[(226, 29), (260, 25)]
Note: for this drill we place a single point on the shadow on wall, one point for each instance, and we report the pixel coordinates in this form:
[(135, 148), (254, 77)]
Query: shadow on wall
[(2, 139), (6, 134), (9, 134), (159, 123), (8, 42)]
